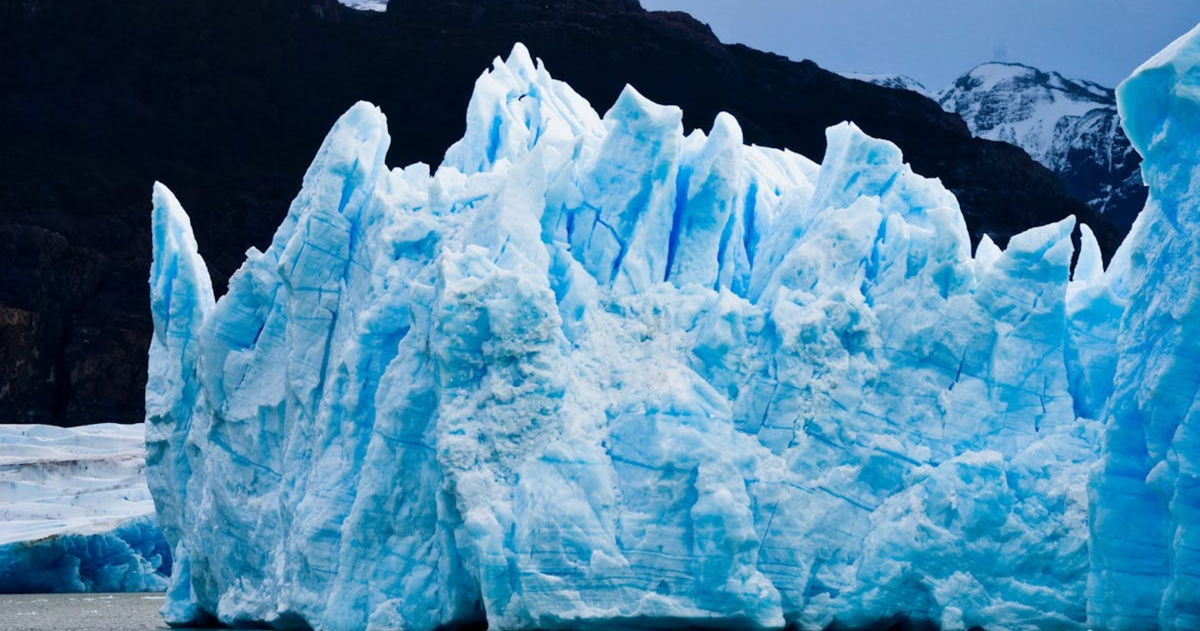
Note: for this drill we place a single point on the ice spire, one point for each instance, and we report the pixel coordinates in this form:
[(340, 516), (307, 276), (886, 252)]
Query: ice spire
[(515, 106), (181, 299)]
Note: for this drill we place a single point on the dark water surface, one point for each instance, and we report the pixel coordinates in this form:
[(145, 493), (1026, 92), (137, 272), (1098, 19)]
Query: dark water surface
[(81, 612), (139, 612)]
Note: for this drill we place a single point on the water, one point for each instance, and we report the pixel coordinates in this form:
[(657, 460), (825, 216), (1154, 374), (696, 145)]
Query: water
[(139, 612), (81, 612)]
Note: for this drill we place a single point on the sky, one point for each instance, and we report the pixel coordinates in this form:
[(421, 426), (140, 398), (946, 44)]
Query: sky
[(935, 41)]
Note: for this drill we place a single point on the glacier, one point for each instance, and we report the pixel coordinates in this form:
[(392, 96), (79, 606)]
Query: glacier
[(596, 371), (75, 512), (1145, 524)]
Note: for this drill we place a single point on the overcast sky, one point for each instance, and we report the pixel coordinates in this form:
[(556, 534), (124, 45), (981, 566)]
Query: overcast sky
[(935, 41)]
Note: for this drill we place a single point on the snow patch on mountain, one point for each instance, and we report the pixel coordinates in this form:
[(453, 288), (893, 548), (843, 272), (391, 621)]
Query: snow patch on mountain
[(897, 81), (366, 5)]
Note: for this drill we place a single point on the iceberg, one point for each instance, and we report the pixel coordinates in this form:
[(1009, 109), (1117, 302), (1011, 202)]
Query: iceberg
[(75, 512), (596, 371)]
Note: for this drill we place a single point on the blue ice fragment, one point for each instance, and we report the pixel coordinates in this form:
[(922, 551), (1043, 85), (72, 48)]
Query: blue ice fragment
[(131, 557)]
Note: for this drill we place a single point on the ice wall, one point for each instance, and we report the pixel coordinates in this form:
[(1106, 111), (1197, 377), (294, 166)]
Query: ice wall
[(1145, 526), (595, 370), (127, 556)]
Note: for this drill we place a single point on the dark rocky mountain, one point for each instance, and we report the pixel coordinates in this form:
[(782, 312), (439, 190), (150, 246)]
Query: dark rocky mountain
[(1070, 126), (227, 100)]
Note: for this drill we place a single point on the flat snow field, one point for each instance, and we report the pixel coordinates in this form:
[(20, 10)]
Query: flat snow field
[(80, 612), (82, 480), (75, 512)]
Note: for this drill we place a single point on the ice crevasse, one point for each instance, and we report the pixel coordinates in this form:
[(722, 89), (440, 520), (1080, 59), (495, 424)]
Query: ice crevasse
[(595, 371)]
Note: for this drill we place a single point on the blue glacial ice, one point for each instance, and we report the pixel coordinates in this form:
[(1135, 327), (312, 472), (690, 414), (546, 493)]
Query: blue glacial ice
[(594, 370), (129, 556), (1145, 524)]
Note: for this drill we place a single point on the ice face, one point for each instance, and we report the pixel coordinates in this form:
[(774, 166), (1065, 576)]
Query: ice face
[(595, 370), (127, 556), (1145, 527)]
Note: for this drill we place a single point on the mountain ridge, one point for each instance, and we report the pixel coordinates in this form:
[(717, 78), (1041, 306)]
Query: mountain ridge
[(207, 97), (1069, 125)]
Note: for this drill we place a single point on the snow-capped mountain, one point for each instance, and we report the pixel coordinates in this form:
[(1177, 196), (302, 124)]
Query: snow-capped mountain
[(1071, 126), (1022, 105)]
